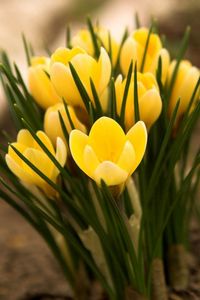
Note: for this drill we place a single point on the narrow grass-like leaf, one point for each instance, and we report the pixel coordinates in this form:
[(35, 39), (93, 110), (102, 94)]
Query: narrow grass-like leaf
[(135, 96), (124, 37), (68, 115), (64, 129), (158, 165), (125, 234), (146, 48), (52, 184), (93, 37), (137, 21), (68, 37), (113, 100), (27, 50), (83, 93), (125, 95), (98, 110)]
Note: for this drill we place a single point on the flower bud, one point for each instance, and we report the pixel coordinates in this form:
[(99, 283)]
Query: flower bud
[(52, 125), (86, 67), (40, 85), (149, 100), (31, 150), (134, 49), (183, 88), (83, 39)]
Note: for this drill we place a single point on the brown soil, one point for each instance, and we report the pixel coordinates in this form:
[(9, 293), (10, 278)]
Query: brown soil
[(27, 269)]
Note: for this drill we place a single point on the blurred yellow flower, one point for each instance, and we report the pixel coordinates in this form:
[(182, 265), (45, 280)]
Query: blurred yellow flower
[(149, 100), (185, 82), (52, 125), (86, 67), (107, 153), (83, 39), (39, 83), (31, 150), (134, 48)]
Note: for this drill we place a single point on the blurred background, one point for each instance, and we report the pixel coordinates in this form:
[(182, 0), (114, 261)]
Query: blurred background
[(27, 269)]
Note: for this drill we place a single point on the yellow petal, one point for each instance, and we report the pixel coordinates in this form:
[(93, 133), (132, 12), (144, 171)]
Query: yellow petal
[(39, 60), (45, 140), (63, 81), (102, 71), (64, 55), (110, 173), (107, 139), (77, 142), (90, 160), (75, 120), (154, 44), (61, 152), (61, 157), (187, 88), (127, 158), (165, 58), (11, 152), (119, 90), (41, 87), (18, 170), (128, 53), (24, 137), (83, 40), (137, 135), (52, 126), (150, 107), (85, 66), (41, 161)]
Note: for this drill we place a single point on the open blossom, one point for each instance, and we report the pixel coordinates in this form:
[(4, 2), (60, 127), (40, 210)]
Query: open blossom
[(31, 150), (52, 125), (83, 39), (86, 67), (40, 85), (107, 153), (134, 48), (149, 100), (184, 85)]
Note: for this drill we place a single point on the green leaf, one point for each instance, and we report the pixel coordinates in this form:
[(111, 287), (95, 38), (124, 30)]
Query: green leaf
[(113, 100), (125, 95), (93, 37), (136, 103), (146, 48), (68, 37), (98, 106), (68, 115), (83, 93), (27, 50), (137, 21)]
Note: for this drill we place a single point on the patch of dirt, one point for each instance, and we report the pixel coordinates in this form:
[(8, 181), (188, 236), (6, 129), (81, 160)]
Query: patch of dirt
[(27, 268)]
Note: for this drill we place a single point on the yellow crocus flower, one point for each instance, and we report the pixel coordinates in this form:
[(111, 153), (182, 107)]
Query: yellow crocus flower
[(86, 67), (52, 125), (31, 150), (184, 85), (39, 83), (107, 153), (149, 100), (83, 39), (133, 50)]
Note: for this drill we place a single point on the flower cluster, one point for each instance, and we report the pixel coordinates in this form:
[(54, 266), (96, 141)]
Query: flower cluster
[(51, 81), (104, 129)]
